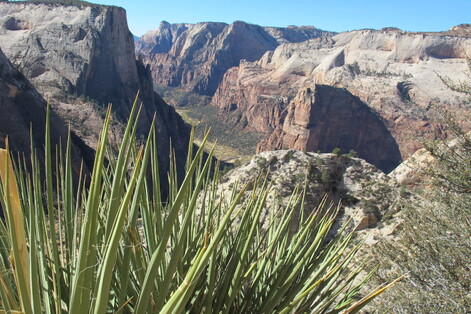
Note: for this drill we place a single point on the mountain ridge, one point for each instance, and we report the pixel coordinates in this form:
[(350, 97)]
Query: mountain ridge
[(196, 56), (390, 70)]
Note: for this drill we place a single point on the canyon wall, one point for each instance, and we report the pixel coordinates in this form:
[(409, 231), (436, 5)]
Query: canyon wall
[(393, 72), (196, 56), (22, 109), (81, 57)]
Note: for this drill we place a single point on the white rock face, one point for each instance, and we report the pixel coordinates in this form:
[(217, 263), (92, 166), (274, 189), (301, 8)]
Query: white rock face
[(87, 51), (196, 56), (58, 46), (414, 171)]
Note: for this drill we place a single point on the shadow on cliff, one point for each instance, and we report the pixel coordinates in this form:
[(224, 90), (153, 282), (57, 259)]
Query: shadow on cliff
[(324, 118), (341, 120)]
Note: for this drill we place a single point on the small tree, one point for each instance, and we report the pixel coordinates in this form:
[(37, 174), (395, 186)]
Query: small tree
[(337, 151), (352, 153)]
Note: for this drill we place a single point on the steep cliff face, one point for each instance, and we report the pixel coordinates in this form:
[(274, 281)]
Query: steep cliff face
[(393, 72), (22, 108), (196, 56), (328, 117), (87, 52)]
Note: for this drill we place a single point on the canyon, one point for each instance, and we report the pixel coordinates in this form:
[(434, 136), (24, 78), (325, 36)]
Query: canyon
[(342, 115), (398, 75), (195, 57)]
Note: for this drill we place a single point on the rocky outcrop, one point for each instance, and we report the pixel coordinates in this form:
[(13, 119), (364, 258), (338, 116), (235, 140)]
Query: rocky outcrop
[(22, 109), (87, 52), (325, 118), (196, 56), (365, 193), (393, 72)]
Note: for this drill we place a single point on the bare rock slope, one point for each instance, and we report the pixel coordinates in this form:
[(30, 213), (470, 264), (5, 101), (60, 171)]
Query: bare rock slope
[(196, 56), (23, 109), (393, 72), (87, 52)]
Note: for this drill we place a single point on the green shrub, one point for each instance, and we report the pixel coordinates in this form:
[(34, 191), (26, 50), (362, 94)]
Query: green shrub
[(115, 245), (337, 152), (352, 153)]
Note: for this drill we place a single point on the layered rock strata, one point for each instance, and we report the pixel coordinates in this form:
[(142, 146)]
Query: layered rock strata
[(325, 118), (393, 72), (196, 56)]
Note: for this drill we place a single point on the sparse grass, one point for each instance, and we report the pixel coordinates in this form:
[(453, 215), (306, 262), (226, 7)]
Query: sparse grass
[(223, 153), (181, 98), (232, 145), (434, 239), (187, 117)]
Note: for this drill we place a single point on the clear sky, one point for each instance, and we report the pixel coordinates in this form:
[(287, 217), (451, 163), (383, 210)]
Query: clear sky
[(332, 15)]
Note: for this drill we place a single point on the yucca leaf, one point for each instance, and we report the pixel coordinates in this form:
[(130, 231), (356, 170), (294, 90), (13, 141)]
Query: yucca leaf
[(112, 244), (14, 214), (367, 299), (84, 278)]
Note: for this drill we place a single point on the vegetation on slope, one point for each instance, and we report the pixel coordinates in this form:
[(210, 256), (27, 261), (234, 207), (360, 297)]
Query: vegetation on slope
[(434, 244), (232, 145), (115, 246)]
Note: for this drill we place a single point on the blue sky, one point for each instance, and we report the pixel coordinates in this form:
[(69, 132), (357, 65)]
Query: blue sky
[(337, 15)]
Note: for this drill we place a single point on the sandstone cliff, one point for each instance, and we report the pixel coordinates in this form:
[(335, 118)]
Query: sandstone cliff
[(327, 118), (22, 108), (393, 72), (196, 56), (87, 52)]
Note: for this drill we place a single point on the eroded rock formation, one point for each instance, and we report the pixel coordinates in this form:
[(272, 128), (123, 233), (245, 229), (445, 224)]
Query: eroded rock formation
[(365, 193), (87, 52), (325, 118), (23, 109), (196, 56), (393, 72)]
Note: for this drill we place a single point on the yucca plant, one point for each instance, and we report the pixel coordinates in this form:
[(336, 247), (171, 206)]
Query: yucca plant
[(114, 245)]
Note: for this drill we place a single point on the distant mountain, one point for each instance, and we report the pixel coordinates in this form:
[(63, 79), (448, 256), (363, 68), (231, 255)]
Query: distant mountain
[(82, 58), (196, 56), (254, 73), (395, 73)]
